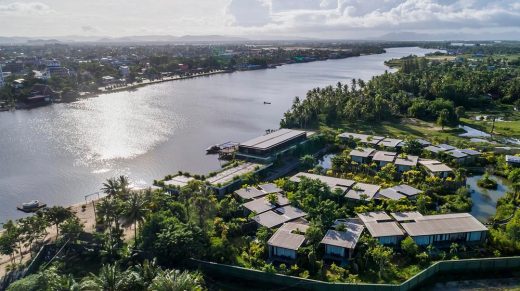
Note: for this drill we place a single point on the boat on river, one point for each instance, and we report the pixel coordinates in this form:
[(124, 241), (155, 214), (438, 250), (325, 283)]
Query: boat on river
[(31, 206)]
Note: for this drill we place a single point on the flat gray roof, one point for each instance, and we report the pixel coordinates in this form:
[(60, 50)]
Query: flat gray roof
[(332, 182), (406, 216), (423, 142), (261, 205), (443, 224), (435, 166), (270, 188), (361, 152), (278, 216), (345, 239), (272, 139), (407, 190), (384, 156), (179, 181), (287, 236), (361, 188), (456, 154), (407, 161), (446, 146), (512, 159), (390, 193), (434, 149), (365, 138), (390, 142), (249, 193), (470, 152), (227, 176), (374, 216), (382, 229)]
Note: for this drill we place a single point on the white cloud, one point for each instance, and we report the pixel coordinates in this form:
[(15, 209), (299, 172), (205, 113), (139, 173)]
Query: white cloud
[(25, 8)]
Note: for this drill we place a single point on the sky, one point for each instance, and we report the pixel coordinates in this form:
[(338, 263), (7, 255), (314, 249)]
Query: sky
[(354, 19)]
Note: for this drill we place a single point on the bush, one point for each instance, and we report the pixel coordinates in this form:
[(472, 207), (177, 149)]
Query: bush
[(487, 183)]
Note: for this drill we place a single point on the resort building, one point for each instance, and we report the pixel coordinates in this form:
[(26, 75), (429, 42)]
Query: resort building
[(423, 142), (361, 155), (398, 192), (256, 192), (285, 242), (513, 160), (390, 143), (262, 204), (408, 216), (333, 182), (445, 229), (434, 149), (278, 216), (266, 148), (340, 244), (363, 192), (405, 163), (381, 158), (175, 184), (436, 168), (230, 179), (382, 227), (362, 138), (463, 156)]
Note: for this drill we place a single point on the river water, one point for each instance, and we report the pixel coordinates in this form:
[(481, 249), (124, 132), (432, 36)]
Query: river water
[(58, 154)]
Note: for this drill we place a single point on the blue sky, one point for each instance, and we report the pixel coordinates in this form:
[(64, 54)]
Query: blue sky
[(254, 18)]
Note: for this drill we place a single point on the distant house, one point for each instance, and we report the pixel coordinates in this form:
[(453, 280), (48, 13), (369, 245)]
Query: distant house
[(382, 227), (436, 168), (382, 158), (513, 160), (406, 162), (444, 229), (398, 192), (458, 156), (176, 183), (363, 192), (361, 155), (285, 242), (446, 147), (278, 216), (423, 142), (434, 149), (340, 244)]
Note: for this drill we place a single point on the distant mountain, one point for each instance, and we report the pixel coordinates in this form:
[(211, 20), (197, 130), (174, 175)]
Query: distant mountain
[(414, 36), (124, 39)]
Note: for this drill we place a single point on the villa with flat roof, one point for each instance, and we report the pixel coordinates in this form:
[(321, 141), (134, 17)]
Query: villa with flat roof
[(361, 155), (445, 229), (436, 168), (249, 193), (285, 242), (381, 158), (398, 192), (382, 227), (340, 244), (363, 191), (405, 163), (262, 204), (265, 148), (278, 216), (390, 143), (333, 182)]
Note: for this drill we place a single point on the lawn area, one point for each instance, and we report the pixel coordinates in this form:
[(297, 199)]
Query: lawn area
[(504, 128), (408, 127)]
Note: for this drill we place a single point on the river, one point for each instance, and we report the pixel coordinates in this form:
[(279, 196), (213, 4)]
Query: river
[(59, 153)]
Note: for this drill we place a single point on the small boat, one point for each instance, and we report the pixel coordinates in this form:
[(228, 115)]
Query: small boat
[(31, 206), (213, 149), (265, 102)]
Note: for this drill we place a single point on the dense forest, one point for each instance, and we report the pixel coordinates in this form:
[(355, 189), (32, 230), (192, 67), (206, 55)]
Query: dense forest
[(424, 89)]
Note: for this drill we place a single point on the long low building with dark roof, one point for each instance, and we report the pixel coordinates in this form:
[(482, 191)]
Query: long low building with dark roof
[(265, 148)]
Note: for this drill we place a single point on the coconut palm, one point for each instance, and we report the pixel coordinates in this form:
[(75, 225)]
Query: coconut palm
[(111, 187), (135, 210), (111, 278), (174, 280)]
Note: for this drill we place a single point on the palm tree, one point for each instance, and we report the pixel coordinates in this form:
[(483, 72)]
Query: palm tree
[(111, 187), (123, 184), (110, 278), (135, 210), (174, 280)]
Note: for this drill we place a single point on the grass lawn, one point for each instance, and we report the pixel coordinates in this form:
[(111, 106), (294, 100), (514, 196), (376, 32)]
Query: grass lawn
[(408, 127), (504, 128)]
